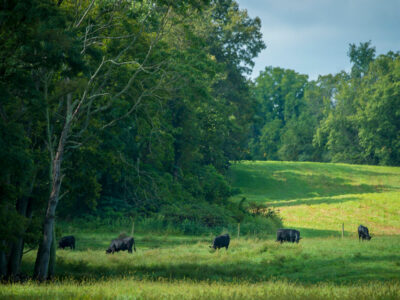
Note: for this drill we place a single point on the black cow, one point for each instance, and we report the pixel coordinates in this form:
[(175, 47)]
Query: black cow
[(122, 244), (288, 235), (67, 241), (221, 241), (363, 233)]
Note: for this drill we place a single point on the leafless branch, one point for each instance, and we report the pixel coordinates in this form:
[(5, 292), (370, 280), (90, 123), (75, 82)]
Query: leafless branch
[(83, 98), (62, 196), (29, 250), (85, 13)]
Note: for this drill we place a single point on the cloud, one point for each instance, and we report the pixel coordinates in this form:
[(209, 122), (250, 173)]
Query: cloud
[(312, 36)]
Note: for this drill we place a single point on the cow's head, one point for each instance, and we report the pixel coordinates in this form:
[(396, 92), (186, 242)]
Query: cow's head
[(369, 237), (109, 250)]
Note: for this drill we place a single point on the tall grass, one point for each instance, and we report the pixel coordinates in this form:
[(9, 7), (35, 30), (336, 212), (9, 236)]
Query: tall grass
[(187, 289)]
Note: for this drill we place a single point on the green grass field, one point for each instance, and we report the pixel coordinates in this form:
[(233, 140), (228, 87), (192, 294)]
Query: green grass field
[(319, 197), (315, 198)]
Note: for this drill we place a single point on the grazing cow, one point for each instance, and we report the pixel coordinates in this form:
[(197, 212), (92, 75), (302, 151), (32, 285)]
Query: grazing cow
[(122, 244), (363, 233), (221, 241), (67, 241), (288, 235)]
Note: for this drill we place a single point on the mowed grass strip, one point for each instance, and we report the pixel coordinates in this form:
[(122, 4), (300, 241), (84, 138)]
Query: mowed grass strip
[(144, 289), (321, 196)]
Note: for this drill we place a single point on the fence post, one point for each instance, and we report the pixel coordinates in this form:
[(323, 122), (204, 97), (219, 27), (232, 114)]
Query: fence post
[(342, 230)]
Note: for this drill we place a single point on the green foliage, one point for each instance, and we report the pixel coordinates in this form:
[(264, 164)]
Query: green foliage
[(280, 97), (152, 116), (348, 118), (361, 57), (378, 110)]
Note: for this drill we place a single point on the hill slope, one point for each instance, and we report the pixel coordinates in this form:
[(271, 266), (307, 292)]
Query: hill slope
[(319, 197)]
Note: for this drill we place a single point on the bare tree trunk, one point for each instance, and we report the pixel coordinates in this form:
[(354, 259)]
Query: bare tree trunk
[(24, 208), (3, 261), (17, 247), (14, 260), (38, 255), (43, 256), (3, 257), (52, 261)]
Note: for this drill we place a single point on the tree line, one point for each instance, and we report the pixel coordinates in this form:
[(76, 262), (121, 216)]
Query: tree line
[(349, 117), (114, 108)]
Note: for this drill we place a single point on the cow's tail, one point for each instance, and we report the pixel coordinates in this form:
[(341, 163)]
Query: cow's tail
[(134, 247)]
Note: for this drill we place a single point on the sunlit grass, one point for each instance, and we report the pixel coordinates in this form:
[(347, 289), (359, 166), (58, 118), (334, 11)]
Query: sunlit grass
[(320, 197)]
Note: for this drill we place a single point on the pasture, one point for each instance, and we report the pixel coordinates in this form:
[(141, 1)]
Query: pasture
[(176, 267), (314, 198), (318, 197)]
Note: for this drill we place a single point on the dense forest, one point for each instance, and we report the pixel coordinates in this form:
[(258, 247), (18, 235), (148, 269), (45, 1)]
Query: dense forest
[(347, 117), (113, 109)]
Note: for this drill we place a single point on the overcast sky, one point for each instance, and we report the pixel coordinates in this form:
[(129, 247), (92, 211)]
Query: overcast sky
[(313, 36)]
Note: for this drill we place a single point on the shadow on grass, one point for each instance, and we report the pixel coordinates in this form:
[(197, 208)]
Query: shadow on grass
[(285, 266), (312, 201), (287, 184), (349, 169)]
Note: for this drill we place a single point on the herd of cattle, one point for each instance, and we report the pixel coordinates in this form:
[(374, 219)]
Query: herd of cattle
[(221, 241)]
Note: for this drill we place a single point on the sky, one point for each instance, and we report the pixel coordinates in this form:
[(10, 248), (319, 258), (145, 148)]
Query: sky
[(312, 36)]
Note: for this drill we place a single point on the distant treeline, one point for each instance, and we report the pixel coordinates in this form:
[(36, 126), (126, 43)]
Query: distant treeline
[(347, 117)]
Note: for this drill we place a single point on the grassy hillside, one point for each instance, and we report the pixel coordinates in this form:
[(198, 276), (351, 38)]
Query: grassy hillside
[(314, 197), (319, 197)]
